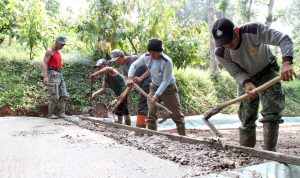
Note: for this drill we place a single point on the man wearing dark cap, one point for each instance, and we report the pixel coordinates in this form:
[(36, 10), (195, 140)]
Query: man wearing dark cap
[(245, 53), (141, 76), (53, 78), (114, 80), (163, 87)]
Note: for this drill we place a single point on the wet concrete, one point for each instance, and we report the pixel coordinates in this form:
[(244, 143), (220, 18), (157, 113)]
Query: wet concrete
[(200, 159), (38, 147)]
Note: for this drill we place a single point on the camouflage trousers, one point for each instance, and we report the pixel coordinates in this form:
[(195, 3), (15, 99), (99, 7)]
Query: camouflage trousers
[(272, 101), (56, 88)]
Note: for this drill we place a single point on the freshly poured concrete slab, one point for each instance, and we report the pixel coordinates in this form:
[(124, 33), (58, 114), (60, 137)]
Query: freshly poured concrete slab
[(39, 147)]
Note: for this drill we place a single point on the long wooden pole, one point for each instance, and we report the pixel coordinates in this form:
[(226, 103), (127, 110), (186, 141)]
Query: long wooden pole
[(168, 112)]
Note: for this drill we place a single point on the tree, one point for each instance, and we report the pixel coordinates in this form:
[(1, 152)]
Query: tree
[(222, 6), (8, 13), (213, 62), (270, 18), (245, 10), (34, 24)]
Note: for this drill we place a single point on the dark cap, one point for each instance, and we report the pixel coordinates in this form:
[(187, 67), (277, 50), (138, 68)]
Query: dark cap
[(223, 31), (116, 54), (61, 40), (155, 45), (100, 62)]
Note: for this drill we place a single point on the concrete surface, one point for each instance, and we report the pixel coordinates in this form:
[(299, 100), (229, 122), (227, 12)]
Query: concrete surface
[(38, 147)]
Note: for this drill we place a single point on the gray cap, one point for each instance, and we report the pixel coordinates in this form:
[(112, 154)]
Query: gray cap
[(115, 54), (100, 62), (61, 40)]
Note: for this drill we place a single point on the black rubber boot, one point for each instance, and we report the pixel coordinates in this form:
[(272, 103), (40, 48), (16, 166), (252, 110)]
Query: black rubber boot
[(247, 136), (270, 135), (151, 124), (62, 110), (127, 120), (120, 120), (51, 108), (181, 129)]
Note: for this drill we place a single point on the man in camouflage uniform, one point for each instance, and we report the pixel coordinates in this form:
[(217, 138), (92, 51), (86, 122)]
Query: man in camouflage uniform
[(245, 54), (53, 78)]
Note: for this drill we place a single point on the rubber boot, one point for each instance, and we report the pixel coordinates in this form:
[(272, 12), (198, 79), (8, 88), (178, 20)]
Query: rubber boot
[(51, 108), (181, 129), (62, 110), (151, 124), (127, 120), (270, 135), (141, 121), (247, 136), (120, 120)]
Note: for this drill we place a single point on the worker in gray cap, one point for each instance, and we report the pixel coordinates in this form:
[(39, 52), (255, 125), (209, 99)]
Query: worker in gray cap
[(114, 80), (141, 77)]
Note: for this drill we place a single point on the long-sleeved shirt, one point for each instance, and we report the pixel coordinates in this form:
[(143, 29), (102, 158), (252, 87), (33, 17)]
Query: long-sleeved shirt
[(253, 54), (139, 71), (161, 70)]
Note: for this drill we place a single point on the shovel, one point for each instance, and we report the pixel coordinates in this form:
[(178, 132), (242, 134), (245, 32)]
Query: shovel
[(167, 112), (208, 114)]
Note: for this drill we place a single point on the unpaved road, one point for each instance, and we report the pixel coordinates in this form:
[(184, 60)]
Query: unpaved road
[(41, 148)]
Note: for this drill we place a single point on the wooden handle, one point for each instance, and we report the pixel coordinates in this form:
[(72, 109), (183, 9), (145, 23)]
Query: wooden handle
[(147, 96), (258, 90), (219, 107), (122, 96)]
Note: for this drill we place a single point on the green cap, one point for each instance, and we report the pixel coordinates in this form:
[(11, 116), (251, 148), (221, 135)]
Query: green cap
[(61, 40)]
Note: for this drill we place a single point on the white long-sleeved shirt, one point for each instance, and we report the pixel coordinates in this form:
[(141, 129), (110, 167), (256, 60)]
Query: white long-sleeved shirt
[(161, 70)]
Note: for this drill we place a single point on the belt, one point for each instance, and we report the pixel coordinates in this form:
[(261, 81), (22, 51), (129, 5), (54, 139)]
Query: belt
[(54, 68), (271, 66)]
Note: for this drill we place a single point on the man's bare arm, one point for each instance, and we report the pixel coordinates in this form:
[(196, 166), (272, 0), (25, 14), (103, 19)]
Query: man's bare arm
[(47, 57)]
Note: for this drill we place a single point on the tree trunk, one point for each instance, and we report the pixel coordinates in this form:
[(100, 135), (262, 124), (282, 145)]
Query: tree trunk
[(31, 53), (249, 11), (213, 62), (269, 18)]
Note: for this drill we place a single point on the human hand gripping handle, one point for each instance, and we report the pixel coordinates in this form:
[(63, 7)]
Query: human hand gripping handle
[(92, 77), (250, 90), (287, 71), (130, 82)]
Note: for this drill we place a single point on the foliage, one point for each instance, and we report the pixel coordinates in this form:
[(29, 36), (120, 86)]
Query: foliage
[(222, 6), (130, 24), (33, 26), (22, 89), (292, 94), (8, 13)]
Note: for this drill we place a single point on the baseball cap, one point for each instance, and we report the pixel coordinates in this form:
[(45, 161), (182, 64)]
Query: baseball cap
[(155, 45), (100, 62), (115, 54), (223, 31), (61, 40)]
